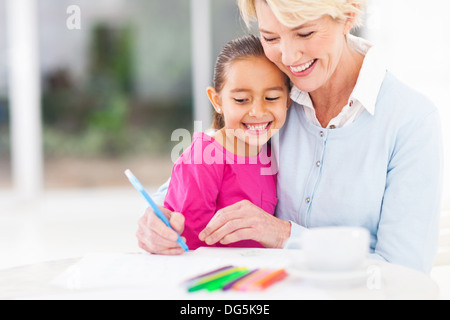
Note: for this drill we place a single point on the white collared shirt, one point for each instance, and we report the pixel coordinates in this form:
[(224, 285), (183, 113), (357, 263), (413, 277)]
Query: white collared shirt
[(364, 95)]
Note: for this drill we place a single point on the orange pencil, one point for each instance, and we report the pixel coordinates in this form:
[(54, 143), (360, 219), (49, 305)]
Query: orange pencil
[(270, 279)]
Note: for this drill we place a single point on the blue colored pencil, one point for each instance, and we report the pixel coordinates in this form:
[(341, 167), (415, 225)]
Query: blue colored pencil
[(138, 186)]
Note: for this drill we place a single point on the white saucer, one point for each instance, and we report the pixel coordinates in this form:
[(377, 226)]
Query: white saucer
[(352, 278)]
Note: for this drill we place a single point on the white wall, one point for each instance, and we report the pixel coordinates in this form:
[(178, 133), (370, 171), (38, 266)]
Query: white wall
[(415, 36)]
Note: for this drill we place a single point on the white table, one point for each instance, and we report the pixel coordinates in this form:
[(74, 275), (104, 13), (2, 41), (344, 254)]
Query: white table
[(144, 276)]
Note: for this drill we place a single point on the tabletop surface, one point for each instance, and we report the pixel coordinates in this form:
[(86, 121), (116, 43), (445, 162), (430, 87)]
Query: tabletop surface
[(140, 276)]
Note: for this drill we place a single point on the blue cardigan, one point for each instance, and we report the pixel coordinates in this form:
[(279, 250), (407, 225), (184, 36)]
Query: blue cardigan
[(382, 172)]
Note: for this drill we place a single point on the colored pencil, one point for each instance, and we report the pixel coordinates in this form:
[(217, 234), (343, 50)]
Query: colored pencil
[(236, 278), (199, 285), (249, 282), (269, 280), (199, 277), (140, 188), (231, 284), (221, 282)]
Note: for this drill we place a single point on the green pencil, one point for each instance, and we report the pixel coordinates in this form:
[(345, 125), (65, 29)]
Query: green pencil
[(223, 276), (222, 282)]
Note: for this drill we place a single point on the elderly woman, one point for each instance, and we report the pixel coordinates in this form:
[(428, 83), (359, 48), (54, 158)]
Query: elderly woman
[(359, 147)]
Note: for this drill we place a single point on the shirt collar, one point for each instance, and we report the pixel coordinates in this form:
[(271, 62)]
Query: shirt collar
[(370, 79)]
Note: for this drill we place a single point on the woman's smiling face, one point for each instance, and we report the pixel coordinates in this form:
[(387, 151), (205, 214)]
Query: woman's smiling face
[(309, 54)]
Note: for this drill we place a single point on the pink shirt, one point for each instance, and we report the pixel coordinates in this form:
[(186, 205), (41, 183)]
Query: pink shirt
[(207, 178)]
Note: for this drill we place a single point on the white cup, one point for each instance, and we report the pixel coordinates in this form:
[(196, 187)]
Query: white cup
[(334, 249)]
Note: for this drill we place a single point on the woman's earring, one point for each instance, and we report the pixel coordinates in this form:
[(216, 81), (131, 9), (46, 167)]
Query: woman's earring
[(219, 110)]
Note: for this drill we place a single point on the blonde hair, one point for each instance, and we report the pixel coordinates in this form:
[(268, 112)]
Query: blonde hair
[(293, 13)]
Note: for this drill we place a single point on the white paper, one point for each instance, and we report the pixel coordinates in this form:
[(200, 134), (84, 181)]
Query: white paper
[(146, 276)]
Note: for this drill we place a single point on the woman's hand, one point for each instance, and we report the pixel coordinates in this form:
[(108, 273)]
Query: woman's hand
[(155, 237), (245, 221)]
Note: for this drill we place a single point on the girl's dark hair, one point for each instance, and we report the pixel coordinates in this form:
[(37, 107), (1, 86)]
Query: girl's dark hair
[(244, 47)]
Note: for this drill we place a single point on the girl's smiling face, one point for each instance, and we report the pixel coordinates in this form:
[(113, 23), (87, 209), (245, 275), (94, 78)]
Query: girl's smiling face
[(253, 101)]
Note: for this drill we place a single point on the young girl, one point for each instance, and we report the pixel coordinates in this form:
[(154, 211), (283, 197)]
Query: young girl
[(250, 98)]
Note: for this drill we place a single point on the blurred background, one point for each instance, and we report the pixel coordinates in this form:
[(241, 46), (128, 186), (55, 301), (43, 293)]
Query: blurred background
[(113, 91), (107, 83)]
